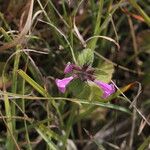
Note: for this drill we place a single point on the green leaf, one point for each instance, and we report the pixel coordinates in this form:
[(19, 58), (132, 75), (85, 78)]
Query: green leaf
[(84, 94), (86, 57), (76, 87), (95, 92), (104, 72), (85, 90)]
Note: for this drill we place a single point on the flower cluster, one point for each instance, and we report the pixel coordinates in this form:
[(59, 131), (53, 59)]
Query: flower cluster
[(84, 73)]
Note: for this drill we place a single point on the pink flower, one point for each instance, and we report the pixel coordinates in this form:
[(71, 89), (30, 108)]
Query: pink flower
[(108, 89), (62, 84), (84, 73), (68, 68)]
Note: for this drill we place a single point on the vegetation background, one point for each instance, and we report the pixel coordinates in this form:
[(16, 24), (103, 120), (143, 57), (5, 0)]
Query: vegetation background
[(38, 38)]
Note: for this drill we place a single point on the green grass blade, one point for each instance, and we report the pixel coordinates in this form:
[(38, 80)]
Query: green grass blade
[(9, 141), (5, 34), (35, 85), (40, 89), (47, 136), (141, 11), (15, 84), (106, 105), (145, 144), (23, 108), (9, 107), (92, 44), (69, 124)]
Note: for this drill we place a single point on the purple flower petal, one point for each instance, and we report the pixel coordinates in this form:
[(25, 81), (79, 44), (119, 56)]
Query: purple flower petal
[(108, 89), (68, 68), (62, 83)]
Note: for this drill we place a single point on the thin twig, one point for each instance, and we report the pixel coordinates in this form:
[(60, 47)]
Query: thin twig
[(130, 103), (135, 48)]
